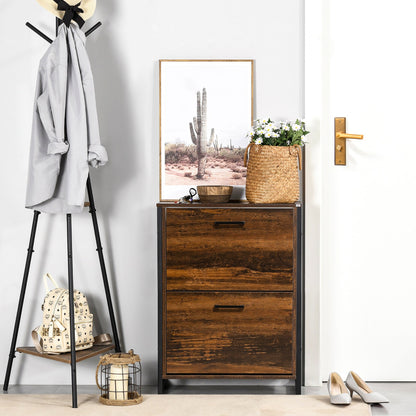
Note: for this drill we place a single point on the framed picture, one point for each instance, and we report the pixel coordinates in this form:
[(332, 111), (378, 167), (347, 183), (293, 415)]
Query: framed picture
[(206, 110)]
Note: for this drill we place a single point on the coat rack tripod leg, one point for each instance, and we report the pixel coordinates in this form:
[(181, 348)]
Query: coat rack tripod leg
[(71, 310), (21, 300), (102, 265)]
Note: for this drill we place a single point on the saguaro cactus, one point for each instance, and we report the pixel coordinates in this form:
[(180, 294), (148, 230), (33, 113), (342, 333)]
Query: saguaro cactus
[(199, 132), (216, 145)]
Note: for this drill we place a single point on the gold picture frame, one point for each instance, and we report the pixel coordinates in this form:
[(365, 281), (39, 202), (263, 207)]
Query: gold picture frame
[(216, 97)]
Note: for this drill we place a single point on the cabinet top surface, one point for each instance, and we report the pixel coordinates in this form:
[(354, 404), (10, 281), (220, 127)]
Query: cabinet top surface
[(231, 204)]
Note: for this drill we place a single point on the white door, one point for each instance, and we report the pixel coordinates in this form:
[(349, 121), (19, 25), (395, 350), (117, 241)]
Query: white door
[(361, 64)]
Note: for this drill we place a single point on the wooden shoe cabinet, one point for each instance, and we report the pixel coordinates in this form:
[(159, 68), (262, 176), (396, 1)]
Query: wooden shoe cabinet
[(230, 291)]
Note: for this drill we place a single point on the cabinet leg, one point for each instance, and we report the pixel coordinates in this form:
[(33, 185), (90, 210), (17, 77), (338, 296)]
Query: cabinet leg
[(298, 387), (162, 385), (71, 312)]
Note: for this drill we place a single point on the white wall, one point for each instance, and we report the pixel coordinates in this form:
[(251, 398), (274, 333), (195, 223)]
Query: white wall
[(124, 55)]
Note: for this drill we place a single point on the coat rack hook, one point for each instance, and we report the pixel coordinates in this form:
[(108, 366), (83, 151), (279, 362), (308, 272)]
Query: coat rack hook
[(48, 39), (37, 31), (96, 26)]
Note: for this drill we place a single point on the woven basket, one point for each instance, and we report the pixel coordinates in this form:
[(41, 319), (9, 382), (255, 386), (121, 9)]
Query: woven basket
[(272, 173)]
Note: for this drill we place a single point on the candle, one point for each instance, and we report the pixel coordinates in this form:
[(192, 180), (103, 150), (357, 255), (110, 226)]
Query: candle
[(119, 382)]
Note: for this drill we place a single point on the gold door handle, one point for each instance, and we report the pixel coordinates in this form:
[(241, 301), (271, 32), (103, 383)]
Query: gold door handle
[(349, 136), (340, 140)]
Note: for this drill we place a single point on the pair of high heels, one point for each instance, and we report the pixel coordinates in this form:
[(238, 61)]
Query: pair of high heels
[(341, 393)]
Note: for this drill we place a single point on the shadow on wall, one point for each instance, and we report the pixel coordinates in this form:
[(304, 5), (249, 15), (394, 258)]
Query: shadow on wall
[(114, 110), (117, 132)]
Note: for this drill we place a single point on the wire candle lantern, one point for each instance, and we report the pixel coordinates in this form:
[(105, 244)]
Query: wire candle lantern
[(120, 379)]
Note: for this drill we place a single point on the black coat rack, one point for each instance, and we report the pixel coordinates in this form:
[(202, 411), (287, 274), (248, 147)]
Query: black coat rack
[(73, 356)]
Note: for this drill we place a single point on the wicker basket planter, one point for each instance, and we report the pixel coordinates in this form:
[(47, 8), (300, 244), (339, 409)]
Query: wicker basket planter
[(272, 173)]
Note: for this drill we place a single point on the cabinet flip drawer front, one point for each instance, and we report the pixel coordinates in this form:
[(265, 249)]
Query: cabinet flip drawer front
[(227, 249), (229, 333)]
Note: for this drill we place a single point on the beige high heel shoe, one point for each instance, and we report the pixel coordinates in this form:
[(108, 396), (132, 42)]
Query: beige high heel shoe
[(338, 392), (356, 384)]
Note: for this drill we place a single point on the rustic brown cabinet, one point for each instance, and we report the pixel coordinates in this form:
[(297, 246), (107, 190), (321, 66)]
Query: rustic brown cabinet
[(230, 291)]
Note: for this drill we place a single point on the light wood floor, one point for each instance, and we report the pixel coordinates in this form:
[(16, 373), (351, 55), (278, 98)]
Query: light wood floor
[(402, 395)]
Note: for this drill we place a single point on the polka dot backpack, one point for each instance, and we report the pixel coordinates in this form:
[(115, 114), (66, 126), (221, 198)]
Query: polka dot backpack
[(53, 336)]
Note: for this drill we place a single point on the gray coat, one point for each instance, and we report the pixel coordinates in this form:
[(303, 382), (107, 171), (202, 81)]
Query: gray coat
[(65, 134)]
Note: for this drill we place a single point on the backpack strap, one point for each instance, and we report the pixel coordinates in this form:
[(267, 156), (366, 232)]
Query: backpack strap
[(38, 343), (45, 281)]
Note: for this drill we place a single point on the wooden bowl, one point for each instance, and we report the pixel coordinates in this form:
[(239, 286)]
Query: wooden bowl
[(214, 193)]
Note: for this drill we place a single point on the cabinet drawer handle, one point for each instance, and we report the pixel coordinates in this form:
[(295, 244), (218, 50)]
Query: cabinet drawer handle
[(230, 308), (229, 224)]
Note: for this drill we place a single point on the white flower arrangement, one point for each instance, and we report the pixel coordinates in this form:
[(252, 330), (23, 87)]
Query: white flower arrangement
[(281, 133)]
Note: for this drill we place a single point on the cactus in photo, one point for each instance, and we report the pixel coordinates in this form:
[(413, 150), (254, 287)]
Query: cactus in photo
[(199, 132), (215, 144)]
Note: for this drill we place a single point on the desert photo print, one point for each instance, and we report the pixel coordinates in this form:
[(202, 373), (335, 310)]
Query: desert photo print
[(205, 114)]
